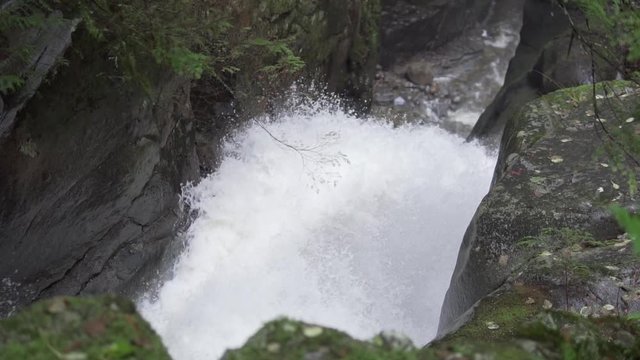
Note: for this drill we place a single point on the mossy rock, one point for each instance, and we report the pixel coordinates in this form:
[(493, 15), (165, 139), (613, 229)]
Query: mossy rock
[(69, 328), (528, 335), (551, 194)]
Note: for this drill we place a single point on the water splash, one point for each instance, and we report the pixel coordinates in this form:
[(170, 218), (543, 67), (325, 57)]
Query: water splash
[(323, 217)]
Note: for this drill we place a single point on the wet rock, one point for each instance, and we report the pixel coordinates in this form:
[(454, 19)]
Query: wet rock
[(549, 216), (338, 41), (411, 26), (564, 64), (420, 73)]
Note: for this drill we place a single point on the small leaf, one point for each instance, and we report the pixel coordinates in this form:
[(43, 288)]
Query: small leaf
[(537, 180), (312, 331), (492, 325), (615, 186), (556, 159)]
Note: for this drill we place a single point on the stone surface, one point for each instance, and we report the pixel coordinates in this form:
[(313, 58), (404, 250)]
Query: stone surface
[(420, 73), (545, 224), (409, 25)]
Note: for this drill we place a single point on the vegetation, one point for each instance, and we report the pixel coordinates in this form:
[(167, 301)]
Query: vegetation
[(191, 37), (79, 329)]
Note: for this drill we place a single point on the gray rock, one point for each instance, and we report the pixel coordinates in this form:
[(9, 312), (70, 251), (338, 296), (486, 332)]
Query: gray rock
[(409, 26), (551, 195), (420, 73)]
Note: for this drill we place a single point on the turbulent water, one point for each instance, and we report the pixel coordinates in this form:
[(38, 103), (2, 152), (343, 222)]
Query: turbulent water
[(323, 217)]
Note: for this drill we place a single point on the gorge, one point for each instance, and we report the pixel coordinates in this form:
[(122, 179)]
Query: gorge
[(220, 202)]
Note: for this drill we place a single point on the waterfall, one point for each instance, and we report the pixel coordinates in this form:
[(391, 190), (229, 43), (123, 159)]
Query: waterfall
[(323, 217)]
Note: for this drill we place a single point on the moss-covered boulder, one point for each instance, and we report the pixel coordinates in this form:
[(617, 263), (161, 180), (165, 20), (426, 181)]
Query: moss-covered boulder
[(79, 329), (544, 233)]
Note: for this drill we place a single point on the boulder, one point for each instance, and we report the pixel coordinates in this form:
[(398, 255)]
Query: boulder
[(420, 73), (545, 227)]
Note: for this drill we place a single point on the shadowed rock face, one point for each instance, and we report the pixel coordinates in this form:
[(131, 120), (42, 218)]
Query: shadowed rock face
[(90, 181), (417, 25), (545, 222)]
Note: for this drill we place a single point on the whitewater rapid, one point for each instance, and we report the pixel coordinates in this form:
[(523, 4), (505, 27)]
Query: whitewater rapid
[(323, 217)]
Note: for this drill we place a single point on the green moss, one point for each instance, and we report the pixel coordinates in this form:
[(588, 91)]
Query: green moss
[(286, 339), (497, 316), (79, 328)]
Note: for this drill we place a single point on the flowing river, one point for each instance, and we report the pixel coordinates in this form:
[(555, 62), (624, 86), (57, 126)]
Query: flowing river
[(324, 217)]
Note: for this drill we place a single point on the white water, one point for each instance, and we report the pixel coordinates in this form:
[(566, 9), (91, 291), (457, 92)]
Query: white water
[(359, 231)]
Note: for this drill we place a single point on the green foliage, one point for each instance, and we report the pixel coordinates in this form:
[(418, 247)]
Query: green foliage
[(630, 223), (286, 61), (612, 34), (194, 38), (620, 19), (14, 17), (10, 83)]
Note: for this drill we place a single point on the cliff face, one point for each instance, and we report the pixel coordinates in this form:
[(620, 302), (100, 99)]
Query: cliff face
[(92, 165), (91, 176)]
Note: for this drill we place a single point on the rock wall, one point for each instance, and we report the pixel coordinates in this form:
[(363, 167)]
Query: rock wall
[(91, 174)]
